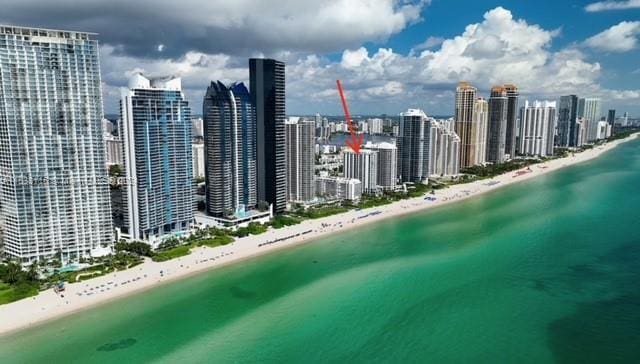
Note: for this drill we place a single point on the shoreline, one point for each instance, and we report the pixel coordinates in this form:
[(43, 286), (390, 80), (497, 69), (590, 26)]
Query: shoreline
[(48, 306)]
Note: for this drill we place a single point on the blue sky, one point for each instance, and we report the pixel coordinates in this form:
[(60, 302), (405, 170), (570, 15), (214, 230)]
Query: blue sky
[(376, 47)]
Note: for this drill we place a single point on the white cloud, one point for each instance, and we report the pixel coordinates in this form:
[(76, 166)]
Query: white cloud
[(499, 49), (612, 5), (238, 27), (430, 42), (622, 37)]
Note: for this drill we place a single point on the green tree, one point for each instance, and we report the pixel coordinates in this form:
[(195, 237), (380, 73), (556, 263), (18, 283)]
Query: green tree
[(115, 170)]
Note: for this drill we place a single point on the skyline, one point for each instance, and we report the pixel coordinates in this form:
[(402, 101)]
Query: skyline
[(412, 56)]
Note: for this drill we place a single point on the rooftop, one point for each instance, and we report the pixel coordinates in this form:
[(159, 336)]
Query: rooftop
[(42, 32)]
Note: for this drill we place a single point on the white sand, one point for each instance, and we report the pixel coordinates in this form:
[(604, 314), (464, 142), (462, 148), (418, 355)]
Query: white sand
[(49, 305)]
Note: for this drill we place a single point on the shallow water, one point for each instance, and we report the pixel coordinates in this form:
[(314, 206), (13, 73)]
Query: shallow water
[(543, 271)]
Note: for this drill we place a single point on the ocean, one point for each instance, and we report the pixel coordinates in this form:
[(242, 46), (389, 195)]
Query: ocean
[(544, 271)]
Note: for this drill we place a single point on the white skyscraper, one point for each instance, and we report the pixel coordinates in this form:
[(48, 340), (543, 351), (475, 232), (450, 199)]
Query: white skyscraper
[(362, 166), (387, 164), (300, 160), (604, 130), (590, 109), (197, 154), (480, 122), (375, 126), (113, 150), (444, 153), (538, 121), (197, 125), (54, 193)]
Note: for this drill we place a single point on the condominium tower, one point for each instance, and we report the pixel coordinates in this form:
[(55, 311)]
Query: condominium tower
[(300, 160), (538, 120), (465, 125), (362, 166), (156, 136), (496, 135), (481, 124), (413, 146), (268, 97), (567, 123), (387, 164), (611, 117), (444, 150), (512, 116), (54, 197), (591, 110), (230, 150)]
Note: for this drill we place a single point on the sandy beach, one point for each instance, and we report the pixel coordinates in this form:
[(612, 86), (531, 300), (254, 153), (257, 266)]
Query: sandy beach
[(79, 296)]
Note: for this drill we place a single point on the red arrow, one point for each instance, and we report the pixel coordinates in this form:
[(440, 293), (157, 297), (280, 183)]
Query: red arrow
[(356, 140)]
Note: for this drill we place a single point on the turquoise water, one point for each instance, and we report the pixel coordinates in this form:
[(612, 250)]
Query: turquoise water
[(540, 272)]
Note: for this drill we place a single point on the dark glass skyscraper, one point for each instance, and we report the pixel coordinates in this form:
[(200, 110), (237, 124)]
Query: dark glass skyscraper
[(611, 117), (497, 131), (230, 142), (512, 115), (268, 97), (413, 146), (567, 118)]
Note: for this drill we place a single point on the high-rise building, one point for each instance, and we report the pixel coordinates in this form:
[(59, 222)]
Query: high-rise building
[(604, 130), (300, 160), (156, 134), (107, 127), (464, 123), (268, 97), (387, 164), (590, 109), (54, 195), (197, 155), (413, 146), (537, 128), (230, 150), (568, 133), (611, 117), (512, 116), (113, 150), (497, 132), (481, 123), (197, 130), (375, 126), (444, 150), (362, 166)]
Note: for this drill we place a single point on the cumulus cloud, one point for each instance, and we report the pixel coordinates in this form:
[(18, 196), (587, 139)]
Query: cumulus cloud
[(239, 27), (213, 41), (622, 37), (612, 5), (499, 49), (428, 43)]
